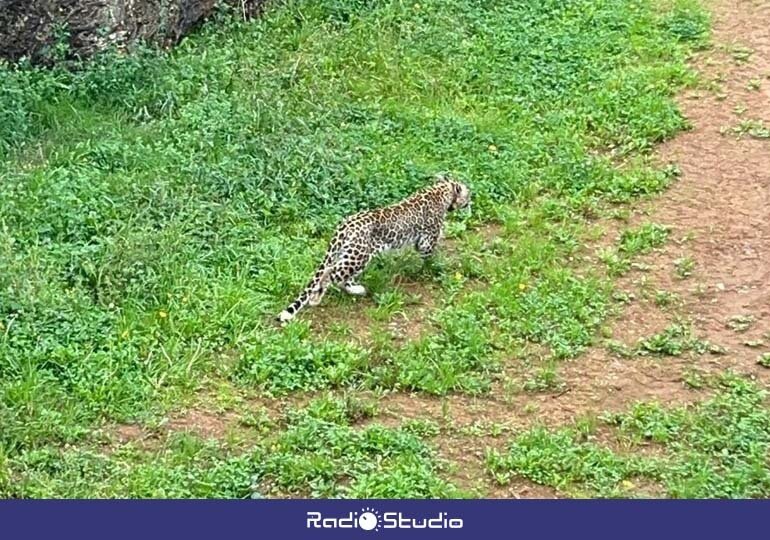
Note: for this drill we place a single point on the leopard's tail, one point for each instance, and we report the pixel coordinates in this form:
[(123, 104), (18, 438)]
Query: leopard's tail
[(314, 289)]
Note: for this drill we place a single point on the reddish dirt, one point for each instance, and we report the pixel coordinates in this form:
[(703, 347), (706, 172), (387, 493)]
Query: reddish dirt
[(721, 204)]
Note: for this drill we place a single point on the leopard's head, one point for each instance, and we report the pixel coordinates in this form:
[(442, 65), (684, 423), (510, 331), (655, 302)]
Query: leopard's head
[(460, 195)]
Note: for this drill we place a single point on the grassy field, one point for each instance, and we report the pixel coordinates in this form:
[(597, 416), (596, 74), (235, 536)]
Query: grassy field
[(158, 210)]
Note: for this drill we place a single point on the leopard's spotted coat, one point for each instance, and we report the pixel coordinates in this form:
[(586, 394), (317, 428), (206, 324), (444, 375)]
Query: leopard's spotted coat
[(416, 221)]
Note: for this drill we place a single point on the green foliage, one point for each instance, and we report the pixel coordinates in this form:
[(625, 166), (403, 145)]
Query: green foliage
[(186, 467), (158, 209), (764, 359), (291, 360), (643, 239), (320, 455), (687, 22), (684, 267), (458, 358), (672, 341), (561, 310), (741, 322), (544, 379), (715, 449), (561, 459), (633, 242)]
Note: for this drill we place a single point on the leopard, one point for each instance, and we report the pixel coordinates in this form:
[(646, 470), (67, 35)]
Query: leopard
[(416, 221)]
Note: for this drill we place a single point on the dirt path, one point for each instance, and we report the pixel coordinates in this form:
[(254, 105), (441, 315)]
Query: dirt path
[(723, 199)]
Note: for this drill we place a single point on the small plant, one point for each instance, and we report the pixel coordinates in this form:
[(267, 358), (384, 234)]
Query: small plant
[(664, 299), (421, 427), (694, 379), (633, 242), (741, 53), (617, 265), (623, 297), (258, 420), (728, 432), (673, 341), (545, 379), (643, 239), (684, 267), (741, 322), (388, 303), (764, 360), (619, 348), (752, 128), (686, 24), (739, 109)]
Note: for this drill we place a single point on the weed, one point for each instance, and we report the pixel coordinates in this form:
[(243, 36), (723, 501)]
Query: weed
[(694, 379), (545, 379), (684, 266), (740, 323), (643, 239), (741, 53), (673, 341), (665, 299), (321, 456), (752, 128), (633, 242)]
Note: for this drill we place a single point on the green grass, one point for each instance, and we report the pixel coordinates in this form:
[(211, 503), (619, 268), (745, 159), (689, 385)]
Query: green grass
[(318, 454), (643, 239), (158, 209), (717, 448), (674, 340), (634, 242)]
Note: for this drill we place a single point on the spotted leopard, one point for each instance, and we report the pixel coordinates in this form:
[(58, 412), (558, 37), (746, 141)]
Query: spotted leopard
[(416, 221)]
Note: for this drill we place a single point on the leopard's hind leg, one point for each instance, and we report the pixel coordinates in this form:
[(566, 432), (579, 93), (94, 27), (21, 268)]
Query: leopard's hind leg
[(347, 270)]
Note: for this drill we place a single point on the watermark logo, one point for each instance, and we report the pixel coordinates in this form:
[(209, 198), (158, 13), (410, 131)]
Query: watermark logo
[(369, 519)]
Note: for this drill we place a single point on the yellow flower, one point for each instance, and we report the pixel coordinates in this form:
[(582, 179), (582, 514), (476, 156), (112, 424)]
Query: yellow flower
[(492, 148), (162, 314), (458, 276), (522, 286)]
